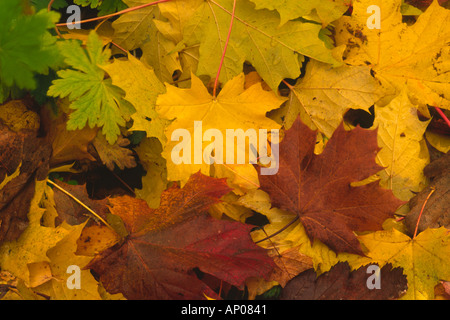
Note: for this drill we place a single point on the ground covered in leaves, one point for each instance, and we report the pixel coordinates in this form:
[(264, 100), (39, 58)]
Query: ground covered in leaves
[(90, 193)]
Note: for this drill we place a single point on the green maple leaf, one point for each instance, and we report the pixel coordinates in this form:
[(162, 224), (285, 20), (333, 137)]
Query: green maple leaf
[(96, 100), (103, 7), (43, 4), (92, 3), (26, 46)]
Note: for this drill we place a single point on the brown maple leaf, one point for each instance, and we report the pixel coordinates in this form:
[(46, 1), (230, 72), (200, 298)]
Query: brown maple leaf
[(165, 245), (20, 150), (341, 284), (68, 145), (71, 211), (317, 187), (431, 204)]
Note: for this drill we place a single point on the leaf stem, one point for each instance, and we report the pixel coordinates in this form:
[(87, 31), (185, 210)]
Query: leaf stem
[(273, 244), (80, 203), (49, 8), (421, 211), (216, 82), (116, 45), (442, 114), (288, 85), (114, 14), (279, 231)]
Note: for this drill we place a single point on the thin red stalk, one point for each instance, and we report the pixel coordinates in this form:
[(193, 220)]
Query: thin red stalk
[(220, 288), (49, 7), (115, 44), (216, 82), (124, 183), (421, 211), (288, 85), (442, 114), (279, 231), (271, 242), (115, 14)]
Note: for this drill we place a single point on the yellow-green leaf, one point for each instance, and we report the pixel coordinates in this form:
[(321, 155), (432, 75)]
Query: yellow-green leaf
[(403, 152), (142, 88), (424, 259)]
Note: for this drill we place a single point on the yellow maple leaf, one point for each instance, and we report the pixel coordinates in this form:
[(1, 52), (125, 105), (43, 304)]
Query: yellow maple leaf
[(403, 153), (33, 243), (228, 207), (168, 53), (417, 56), (325, 93), (424, 259), (241, 177), (155, 180), (235, 108), (141, 87), (61, 256), (440, 142)]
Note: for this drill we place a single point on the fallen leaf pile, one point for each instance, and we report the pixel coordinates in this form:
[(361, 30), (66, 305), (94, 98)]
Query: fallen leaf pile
[(94, 205)]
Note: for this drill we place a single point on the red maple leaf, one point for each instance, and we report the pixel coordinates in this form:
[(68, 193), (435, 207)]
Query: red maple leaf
[(166, 244), (317, 187)]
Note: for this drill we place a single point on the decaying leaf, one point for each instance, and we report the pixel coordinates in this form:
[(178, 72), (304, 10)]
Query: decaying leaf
[(342, 284), (71, 211), (325, 93), (17, 116), (115, 154), (25, 149), (414, 56), (94, 239), (434, 199), (69, 145)]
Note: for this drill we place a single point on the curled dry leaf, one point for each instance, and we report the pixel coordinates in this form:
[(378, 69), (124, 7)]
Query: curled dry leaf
[(115, 154)]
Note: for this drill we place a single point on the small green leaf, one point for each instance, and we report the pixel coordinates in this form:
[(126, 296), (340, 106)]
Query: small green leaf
[(96, 100), (43, 4), (103, 7)]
